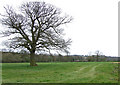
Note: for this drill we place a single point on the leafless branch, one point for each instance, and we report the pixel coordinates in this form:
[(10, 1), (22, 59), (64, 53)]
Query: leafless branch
[(37, 26)]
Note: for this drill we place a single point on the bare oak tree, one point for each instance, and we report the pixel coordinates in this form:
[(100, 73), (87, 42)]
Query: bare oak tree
[(36, 27)]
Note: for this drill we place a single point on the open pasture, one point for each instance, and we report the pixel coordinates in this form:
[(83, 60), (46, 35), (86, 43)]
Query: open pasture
[(60, 72)]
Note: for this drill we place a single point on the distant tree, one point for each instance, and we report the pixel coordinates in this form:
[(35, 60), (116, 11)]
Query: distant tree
[(98, 54), (36, 27)]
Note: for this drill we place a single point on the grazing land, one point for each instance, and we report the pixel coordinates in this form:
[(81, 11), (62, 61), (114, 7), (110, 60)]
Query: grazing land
[(60, 72)]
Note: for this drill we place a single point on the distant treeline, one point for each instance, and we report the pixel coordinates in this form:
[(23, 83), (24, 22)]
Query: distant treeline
[(11, 57)]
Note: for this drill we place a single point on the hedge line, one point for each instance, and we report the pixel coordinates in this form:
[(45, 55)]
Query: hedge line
[(8, 57)]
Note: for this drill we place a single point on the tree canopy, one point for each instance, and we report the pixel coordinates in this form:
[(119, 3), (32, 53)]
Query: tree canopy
[(36, 27)]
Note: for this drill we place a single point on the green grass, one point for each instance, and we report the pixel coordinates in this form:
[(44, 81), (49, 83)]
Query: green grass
[(61, 72)]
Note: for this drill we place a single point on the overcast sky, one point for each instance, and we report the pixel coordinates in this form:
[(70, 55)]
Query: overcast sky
[(95, 24)]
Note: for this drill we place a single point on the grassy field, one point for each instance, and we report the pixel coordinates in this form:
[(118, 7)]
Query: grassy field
[(60, 72)]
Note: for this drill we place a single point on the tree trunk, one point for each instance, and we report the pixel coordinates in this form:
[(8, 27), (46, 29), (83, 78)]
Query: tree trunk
[(32, 59)]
